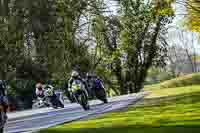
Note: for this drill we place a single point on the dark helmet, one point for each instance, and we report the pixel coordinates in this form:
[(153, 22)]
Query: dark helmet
[(89, 75)]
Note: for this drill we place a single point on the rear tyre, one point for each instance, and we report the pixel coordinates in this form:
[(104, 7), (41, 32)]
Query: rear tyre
[(102, 96), (86, 107), (54, 102)]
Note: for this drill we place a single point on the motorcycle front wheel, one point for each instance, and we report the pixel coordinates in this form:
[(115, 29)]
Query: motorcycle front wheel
[(84, 101)]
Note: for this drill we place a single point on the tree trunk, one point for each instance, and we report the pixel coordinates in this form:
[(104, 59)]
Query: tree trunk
[(144, 70), (130, 88)]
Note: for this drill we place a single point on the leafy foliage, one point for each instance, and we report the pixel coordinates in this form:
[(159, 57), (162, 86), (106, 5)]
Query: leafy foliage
[(74, 34), (142, 41), (193, 19)]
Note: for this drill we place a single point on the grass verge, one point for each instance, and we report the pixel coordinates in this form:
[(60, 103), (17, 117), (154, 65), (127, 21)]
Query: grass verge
[(187, 80), (163, 111)]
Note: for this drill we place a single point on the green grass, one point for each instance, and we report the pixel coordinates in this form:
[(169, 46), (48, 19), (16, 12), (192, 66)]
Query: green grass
[(174, 110), (152, 87), (173, 91), (187, 80)]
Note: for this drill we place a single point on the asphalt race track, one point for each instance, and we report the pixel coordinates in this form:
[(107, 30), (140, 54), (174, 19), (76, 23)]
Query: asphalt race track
[(33, 120)]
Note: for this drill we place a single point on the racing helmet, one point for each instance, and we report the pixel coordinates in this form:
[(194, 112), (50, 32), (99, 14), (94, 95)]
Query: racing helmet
[(74, 74)]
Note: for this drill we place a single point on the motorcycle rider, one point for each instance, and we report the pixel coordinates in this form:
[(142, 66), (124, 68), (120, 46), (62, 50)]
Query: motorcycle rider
[(98, 83), (50, 93), (53, 98), (76, 79), (90, 84), (40, 93), (99, 89), (4, 104), (39, 90)]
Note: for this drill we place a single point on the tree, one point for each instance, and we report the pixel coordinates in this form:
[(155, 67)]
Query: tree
[(57, 50), (55, 25), (137, 50), (11, 47), (107, 30), (65, 31), (182, 53), (142, 41)]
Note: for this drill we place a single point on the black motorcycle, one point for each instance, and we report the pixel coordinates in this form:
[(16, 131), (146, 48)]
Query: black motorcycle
[(100, 94)]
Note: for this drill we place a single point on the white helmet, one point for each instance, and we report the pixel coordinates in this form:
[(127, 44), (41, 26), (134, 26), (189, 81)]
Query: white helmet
[(75, 74)]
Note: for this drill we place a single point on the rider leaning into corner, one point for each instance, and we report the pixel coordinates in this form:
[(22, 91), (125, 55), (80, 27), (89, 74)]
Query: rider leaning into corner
[(39, 91), (90, 84), (47, 91), (4, 104), (51, 93), (97, 88), (76, 79)]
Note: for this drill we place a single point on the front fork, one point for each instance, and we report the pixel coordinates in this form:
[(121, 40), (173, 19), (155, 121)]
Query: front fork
[(76, 98)]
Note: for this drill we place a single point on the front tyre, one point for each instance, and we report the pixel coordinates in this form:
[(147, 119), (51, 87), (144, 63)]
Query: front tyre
[(85, 103), (86, 106)]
